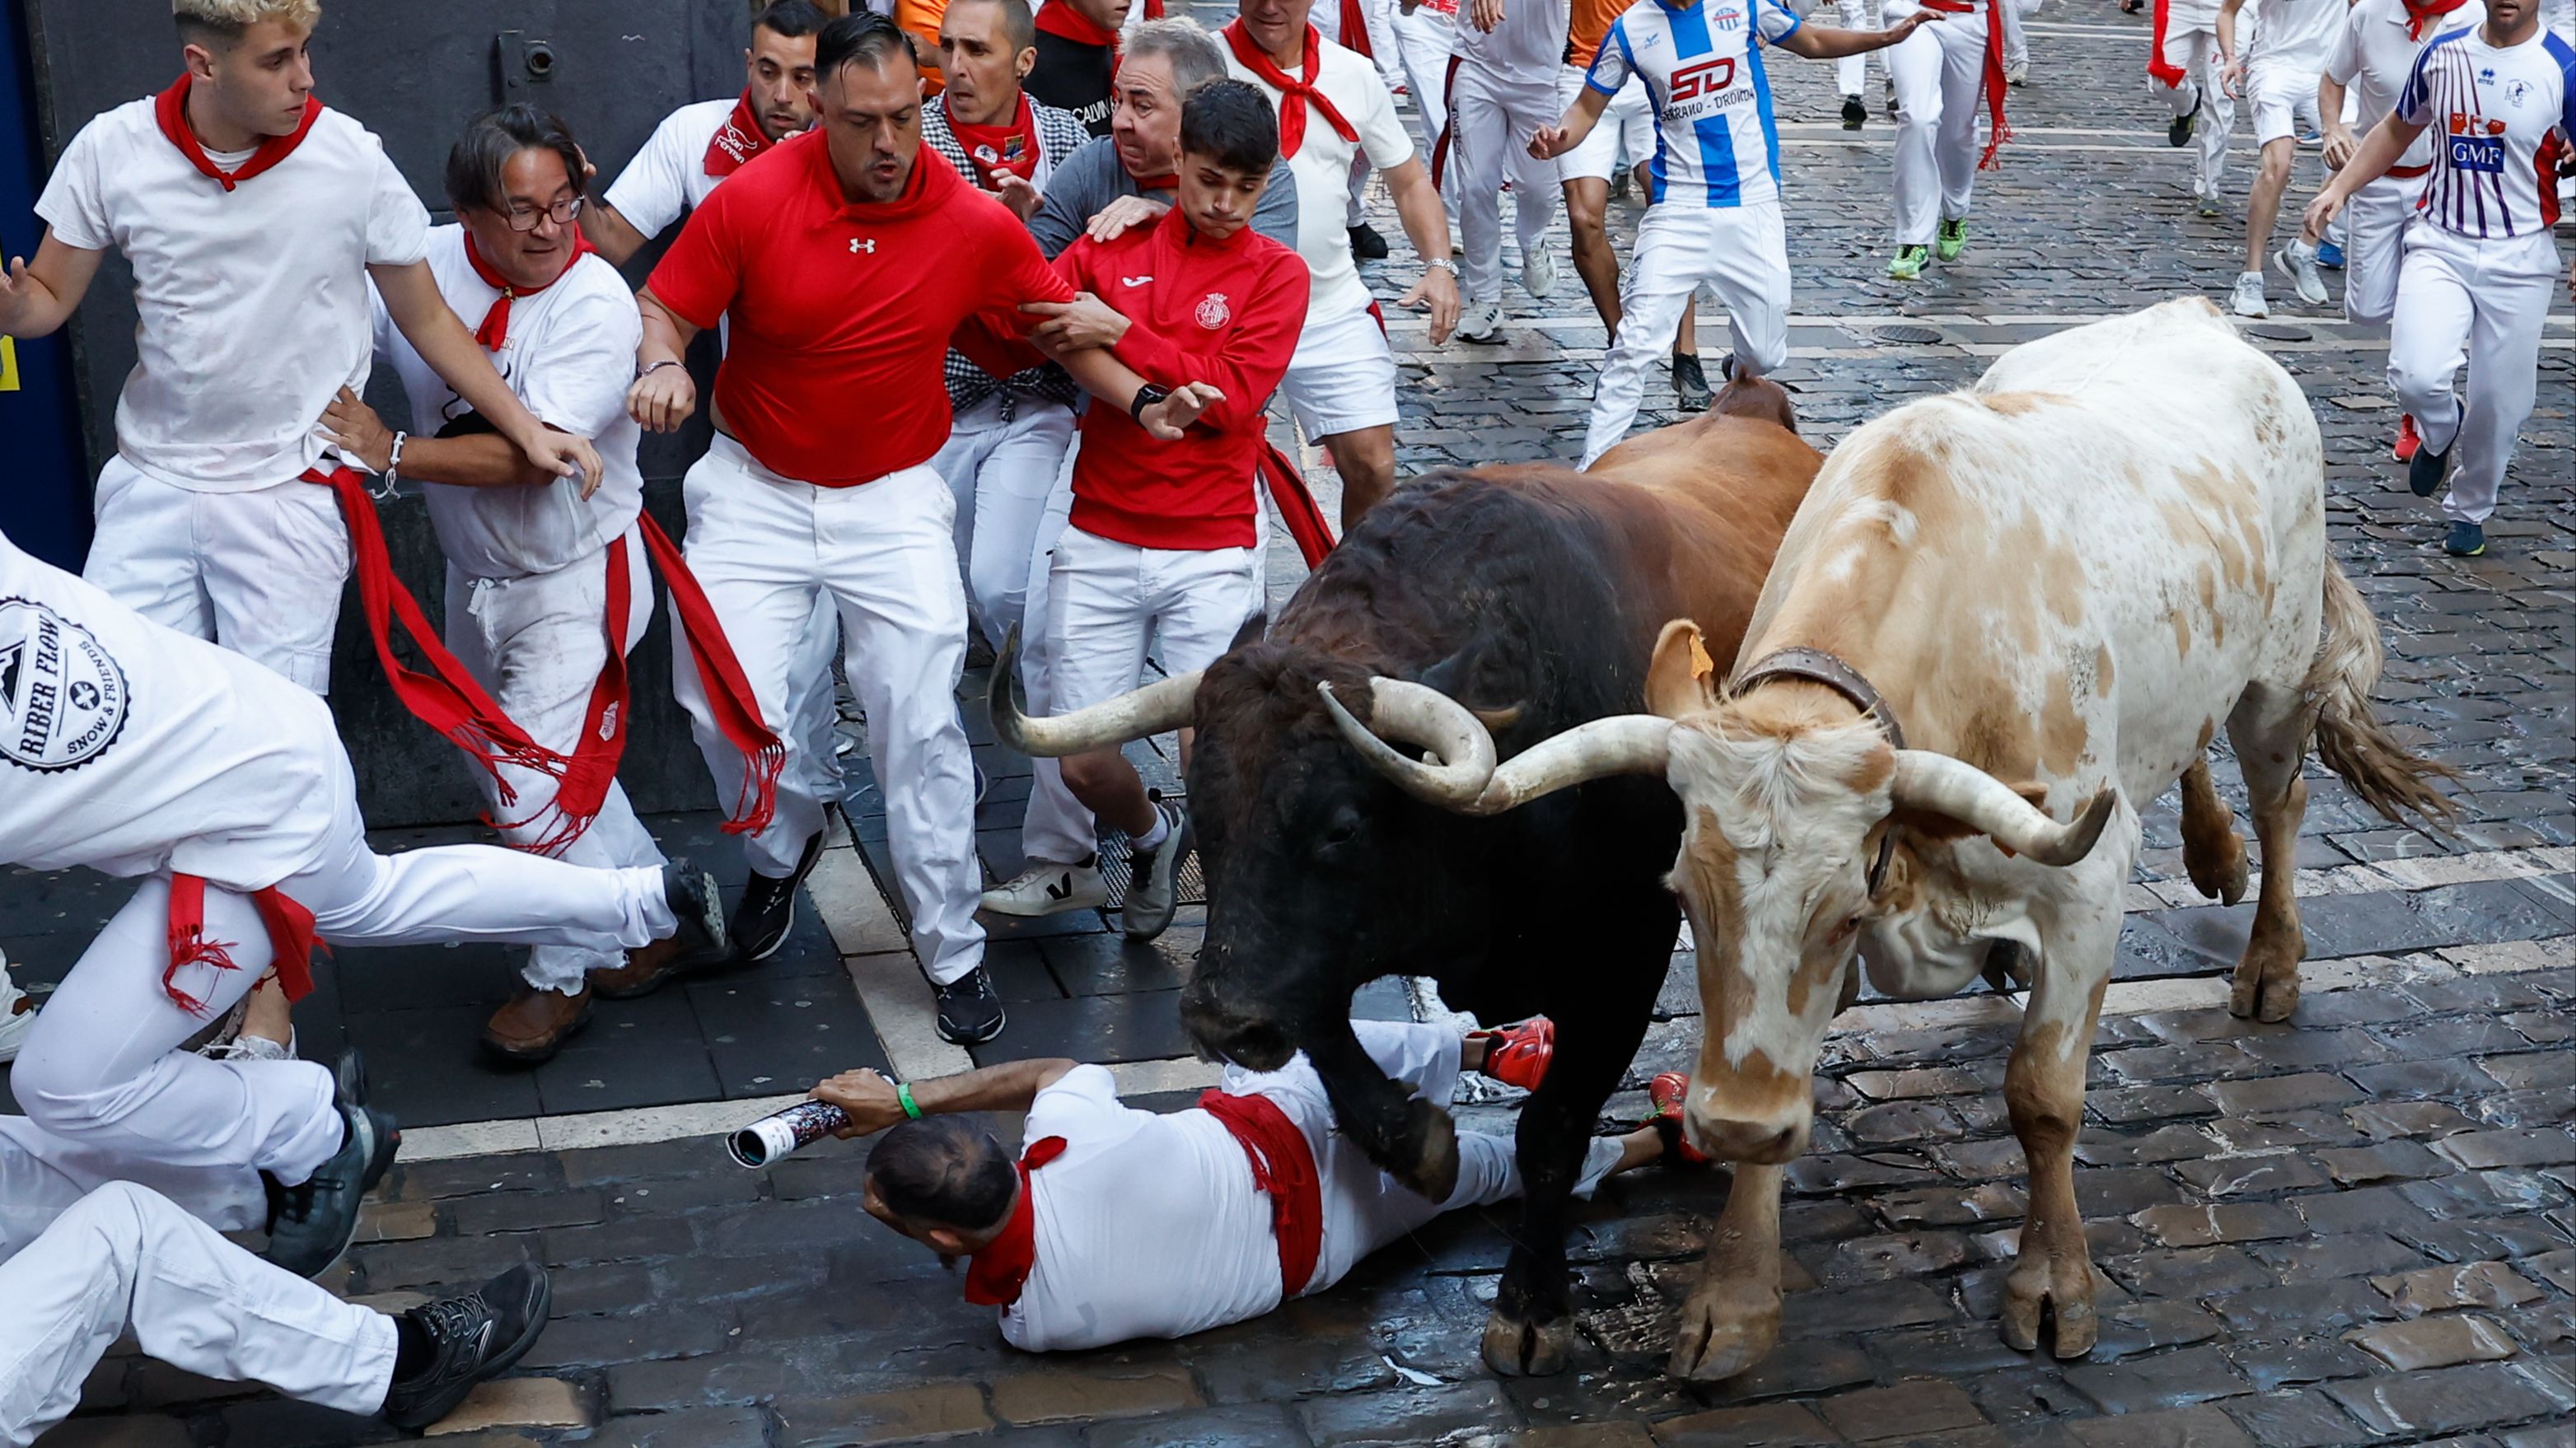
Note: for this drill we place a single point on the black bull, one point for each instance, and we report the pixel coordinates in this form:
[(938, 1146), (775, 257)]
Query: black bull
[(1533, 595)]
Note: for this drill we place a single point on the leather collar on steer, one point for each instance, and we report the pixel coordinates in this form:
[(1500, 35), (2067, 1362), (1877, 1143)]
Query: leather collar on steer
[(1818, 667)]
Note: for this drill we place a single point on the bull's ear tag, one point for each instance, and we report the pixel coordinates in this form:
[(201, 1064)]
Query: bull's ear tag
[(1703, 668)]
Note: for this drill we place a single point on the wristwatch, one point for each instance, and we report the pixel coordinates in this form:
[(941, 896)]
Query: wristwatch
[(1444, 264), (1146, 396)]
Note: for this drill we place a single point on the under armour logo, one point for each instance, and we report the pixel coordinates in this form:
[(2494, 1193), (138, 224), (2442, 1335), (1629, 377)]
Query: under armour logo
[(869, 246)]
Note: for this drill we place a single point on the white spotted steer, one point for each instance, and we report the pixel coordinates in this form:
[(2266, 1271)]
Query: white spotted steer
[(2032, 601)]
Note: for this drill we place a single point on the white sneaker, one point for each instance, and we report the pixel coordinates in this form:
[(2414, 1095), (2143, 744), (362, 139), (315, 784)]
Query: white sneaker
[(17, 1016), (2017, 72), (2298, 262), (1049, 889), (2247, 298), (249, 1048), (1538, 272), (1481, 322)]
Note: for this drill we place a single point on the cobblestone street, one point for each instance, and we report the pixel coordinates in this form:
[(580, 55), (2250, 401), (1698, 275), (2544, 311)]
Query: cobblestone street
[(2357, 1227)]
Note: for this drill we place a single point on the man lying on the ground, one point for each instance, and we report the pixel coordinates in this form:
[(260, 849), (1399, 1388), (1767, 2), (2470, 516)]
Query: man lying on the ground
[(94, 1244), (1117, 1223)]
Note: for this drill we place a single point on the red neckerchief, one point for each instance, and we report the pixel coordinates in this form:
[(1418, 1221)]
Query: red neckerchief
[(2162, 70), (496, 319), (1283, 1169), (290, 940), (1013, 148), (736, 141), (2420, 16), (1295, 93), (996, 1275), (1996, 131), (1165, 182), (170, 108), (1058, 18)]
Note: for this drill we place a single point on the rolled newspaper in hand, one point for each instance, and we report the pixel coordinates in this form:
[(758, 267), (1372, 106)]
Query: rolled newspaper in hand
[(777, 1135)]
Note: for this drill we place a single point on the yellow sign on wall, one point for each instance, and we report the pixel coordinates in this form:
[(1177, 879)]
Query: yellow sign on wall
[(8, 364)]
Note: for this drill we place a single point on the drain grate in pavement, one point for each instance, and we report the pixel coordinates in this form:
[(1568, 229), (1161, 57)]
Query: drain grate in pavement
[(1906, 336), (1117, 871), (2275, 332)]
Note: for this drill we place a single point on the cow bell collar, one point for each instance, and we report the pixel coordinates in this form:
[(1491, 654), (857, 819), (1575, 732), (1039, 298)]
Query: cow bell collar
[(1815, 666)]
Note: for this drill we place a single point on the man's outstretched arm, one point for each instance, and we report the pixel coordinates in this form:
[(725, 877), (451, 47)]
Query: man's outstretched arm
[(874, 1104), (1823, 42), (34, 300)]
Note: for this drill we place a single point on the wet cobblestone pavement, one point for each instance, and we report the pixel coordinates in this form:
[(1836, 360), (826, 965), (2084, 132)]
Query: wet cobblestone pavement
[(2353, 1228)]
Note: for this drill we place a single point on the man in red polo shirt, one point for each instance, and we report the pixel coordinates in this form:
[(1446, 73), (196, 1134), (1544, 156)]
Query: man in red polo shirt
[(845, 259)]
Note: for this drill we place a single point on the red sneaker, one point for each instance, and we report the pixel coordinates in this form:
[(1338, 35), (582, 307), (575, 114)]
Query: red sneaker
[(2407, 442), (1667, 1091), (1518, 1055)]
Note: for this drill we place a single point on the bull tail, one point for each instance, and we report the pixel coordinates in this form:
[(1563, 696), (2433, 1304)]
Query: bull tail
[(2350, 740)]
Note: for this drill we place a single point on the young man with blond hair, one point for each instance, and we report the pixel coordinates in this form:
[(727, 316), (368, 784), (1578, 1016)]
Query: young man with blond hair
[(253, 218)]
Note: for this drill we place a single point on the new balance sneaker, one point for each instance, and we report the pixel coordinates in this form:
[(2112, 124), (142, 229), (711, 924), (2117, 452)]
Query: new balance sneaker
[(2178, 130), (768, 908), (1519, 1055), (1855, 115), (1481, 322), (1538, 271), (1690, 383), (1366, 243), (2330, 254), (970, 1012), (311, 1223), (1153, 881), (1667, 1092), (1909, 262), (1047, 888), (2465, 540), (2424, 471), (2298, 262), (2408, 439), (468, 1339), (2246, 299), (1952, 240)]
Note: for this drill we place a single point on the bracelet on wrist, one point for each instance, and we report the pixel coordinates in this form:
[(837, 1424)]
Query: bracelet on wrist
[(903, 1093), (652, 367)]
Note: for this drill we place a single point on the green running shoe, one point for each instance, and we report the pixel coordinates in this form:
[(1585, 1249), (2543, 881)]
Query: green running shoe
[(1909, 262), (1954, 239)]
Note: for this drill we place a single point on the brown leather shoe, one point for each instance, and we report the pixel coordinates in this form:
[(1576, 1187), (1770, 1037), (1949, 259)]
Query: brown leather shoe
[(536, 1023), (646, 969)]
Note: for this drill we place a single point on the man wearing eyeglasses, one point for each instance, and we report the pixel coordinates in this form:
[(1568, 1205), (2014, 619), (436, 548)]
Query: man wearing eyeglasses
[(530, 556)]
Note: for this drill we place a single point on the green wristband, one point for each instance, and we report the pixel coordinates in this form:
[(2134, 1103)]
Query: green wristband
[(903, 1093)]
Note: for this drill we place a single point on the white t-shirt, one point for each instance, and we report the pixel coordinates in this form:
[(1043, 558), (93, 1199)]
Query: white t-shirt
[(669, 176), (127, 747), (569, 355), (1322, 167), (1526, 49), (2373, 53), (1147, 1226), (253, 301), (2293, 34)]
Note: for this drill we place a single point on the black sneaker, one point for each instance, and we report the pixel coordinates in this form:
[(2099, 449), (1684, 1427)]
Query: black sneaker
[(691, 893), (1153, 880), (2465, 540), (1855, 115), (2424, 470), (471, 1338), (768, 908), (969, 1012), (1366, 244), (311, 1223), (1690, 384), (2178, 130)]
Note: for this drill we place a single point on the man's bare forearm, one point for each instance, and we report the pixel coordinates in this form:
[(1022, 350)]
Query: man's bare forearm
[(1010, 1086), (667, 334), (479, 460), (610, 232)]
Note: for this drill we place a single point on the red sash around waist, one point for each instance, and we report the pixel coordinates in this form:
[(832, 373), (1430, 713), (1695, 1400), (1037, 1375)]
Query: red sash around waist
[(1283, 1168)]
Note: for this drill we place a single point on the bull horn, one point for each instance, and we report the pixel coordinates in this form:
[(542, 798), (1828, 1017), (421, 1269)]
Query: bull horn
[(1598, 749), (1136, 714), (1417, 714), (1939, 784)]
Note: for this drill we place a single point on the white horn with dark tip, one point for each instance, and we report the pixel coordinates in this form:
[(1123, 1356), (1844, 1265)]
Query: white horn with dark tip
[(1462, 751), (1599, 749), (1939, 784), (1167, 704)]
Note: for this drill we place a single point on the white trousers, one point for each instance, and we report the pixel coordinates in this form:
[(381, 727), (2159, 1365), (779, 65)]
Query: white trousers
[(102, 1069), (1002, 471), (1424, 41), (2461, 300), (813, 705), (258, 572), (1940, 74), (1491, 120), (125, 1258), (1056, 829), (1741, 253), (1364, 1208), (2374, 246), (2194, 51), (1851, 71), (538, 644), (885, 552), (1110, 603)]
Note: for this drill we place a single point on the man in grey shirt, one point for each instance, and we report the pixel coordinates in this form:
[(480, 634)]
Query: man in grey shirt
[(1110, 183)]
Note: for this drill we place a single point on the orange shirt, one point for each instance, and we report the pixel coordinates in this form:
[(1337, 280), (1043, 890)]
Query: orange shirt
[(1589, 22), (922, 17)]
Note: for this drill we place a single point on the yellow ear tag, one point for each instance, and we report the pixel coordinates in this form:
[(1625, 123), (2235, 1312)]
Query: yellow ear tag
[(1703, 668)]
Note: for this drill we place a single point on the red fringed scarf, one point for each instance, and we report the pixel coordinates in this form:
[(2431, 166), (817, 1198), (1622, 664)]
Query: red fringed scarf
[(170, 109), (736, 141), (2421, 17), (1297, 505), (996, 1275), (595, 756), (446, 698), (1296, 93), (495, 329), (2164, 71), (290, 940), (1283, 1169), (1997, 130)]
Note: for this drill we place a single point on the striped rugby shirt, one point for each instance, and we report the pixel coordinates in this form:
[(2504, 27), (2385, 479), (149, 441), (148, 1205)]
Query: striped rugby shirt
[(1715, 141), (2500, 121)]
